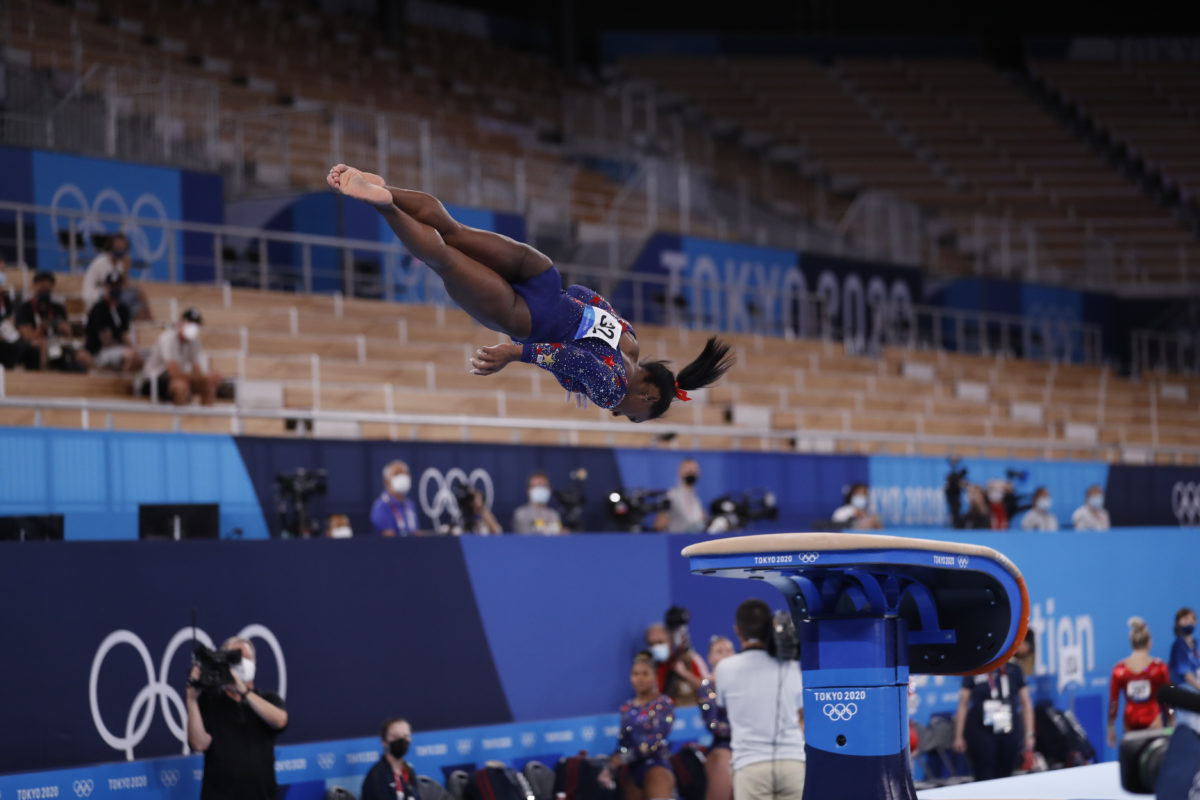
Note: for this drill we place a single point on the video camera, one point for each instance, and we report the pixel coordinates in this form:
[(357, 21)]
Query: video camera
[(295, 488), (629, 509), (572, 500), (1159, 760), (730, 514), (784, 641), (214, 667)]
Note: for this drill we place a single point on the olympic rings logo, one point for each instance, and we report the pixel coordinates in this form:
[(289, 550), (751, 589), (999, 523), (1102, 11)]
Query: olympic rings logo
[(1185, 502), (169, 777), (840, 712), (809, 558), (963, 561), (83, 788), (325, 760), (139, 240), (158, 688), (442, 500)]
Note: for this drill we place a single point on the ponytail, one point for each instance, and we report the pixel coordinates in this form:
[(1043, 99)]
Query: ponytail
[(708, 367)]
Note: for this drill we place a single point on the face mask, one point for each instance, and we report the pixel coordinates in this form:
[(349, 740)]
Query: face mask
[(690, 480), (118, 252), (661, 652), (859, 501), (996, 496), (1096, 501), (539, 495), (1187, 630), (244, 669), (1043, 504), (191, 331), (398, 747), (341, 532), (400, 483), (43, 297)]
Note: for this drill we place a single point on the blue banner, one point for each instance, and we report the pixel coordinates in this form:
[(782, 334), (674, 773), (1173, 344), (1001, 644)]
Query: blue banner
[(742, 288), (100, 186), (911, 490)]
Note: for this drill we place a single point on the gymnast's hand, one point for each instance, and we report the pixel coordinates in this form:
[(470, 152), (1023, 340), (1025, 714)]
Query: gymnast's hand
[(493, 358)]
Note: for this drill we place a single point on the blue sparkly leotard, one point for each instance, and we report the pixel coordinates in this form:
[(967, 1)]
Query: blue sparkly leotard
[(576, 335), (645, 742), (714, 715)]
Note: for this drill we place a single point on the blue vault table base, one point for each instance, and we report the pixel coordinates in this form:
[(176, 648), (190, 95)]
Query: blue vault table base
[(868, 609)]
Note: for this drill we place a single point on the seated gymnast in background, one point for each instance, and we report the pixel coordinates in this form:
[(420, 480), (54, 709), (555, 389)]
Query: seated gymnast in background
[(642, 761), (513, 288)]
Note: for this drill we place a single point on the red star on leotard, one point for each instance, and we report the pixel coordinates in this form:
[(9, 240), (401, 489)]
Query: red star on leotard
[(595, 299), (557, 346), (612, 364)]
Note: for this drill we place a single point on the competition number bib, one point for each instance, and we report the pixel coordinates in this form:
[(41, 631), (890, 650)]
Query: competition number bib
[(599, 324)]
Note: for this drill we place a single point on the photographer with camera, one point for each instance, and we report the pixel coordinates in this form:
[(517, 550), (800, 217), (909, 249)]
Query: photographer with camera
[(537, 516), (233, 724), (763, 697), (392, 778), (393, 514), (684, 512)]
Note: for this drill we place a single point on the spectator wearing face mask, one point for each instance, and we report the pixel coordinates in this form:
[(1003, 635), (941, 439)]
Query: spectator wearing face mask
[(853, 515), (108, 330), (392, 778), (235, 727), (113, 260), (176, 364), (686, 513), (393, 514), (1091, 516), (1039, 517), (338, 527), (43, 324), (537, 516)]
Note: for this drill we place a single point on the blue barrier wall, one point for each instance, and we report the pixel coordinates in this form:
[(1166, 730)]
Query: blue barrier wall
[(102, 186), (461, 632), (97, 479)]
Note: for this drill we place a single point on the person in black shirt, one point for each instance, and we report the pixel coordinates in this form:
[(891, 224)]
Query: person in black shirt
[(108, 329), (994, 722), (14, 350), (43, 323), (235, 728), (392, 778)]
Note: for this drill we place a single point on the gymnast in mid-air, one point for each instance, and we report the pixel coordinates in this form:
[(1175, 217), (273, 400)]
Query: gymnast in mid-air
[(516, 290)]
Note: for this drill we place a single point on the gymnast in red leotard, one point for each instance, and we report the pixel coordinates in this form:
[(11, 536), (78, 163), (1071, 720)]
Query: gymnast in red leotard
[(1137, 677)]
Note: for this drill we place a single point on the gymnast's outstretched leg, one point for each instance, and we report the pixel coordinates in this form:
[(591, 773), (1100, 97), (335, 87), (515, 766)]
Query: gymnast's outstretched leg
[(479, 290), (514, 261)]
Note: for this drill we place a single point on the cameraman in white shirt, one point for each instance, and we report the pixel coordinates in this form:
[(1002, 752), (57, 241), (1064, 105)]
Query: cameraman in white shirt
[(763, 698)]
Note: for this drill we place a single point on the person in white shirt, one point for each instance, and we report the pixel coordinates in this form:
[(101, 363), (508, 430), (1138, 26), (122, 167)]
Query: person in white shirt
[(1091, 516), (763, 697), (1039, 517), (175, 362), (853, 515), (686, 513), (114, 258)]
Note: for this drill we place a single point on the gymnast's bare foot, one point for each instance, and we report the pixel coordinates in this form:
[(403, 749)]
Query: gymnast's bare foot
[(360, 185)]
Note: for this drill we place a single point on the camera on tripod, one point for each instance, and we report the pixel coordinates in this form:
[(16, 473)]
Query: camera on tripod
[(629, 509), (572, 500), (295, 489), (730, 513)]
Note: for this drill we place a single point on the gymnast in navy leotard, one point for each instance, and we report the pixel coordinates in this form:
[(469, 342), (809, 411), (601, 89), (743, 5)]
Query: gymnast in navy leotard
[(513, 288), (642, 759)]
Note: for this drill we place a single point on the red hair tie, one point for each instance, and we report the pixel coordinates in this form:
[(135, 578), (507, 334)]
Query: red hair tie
[(680, 394)]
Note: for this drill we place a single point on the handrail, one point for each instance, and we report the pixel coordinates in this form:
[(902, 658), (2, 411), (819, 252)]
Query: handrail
[(235, 415)]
